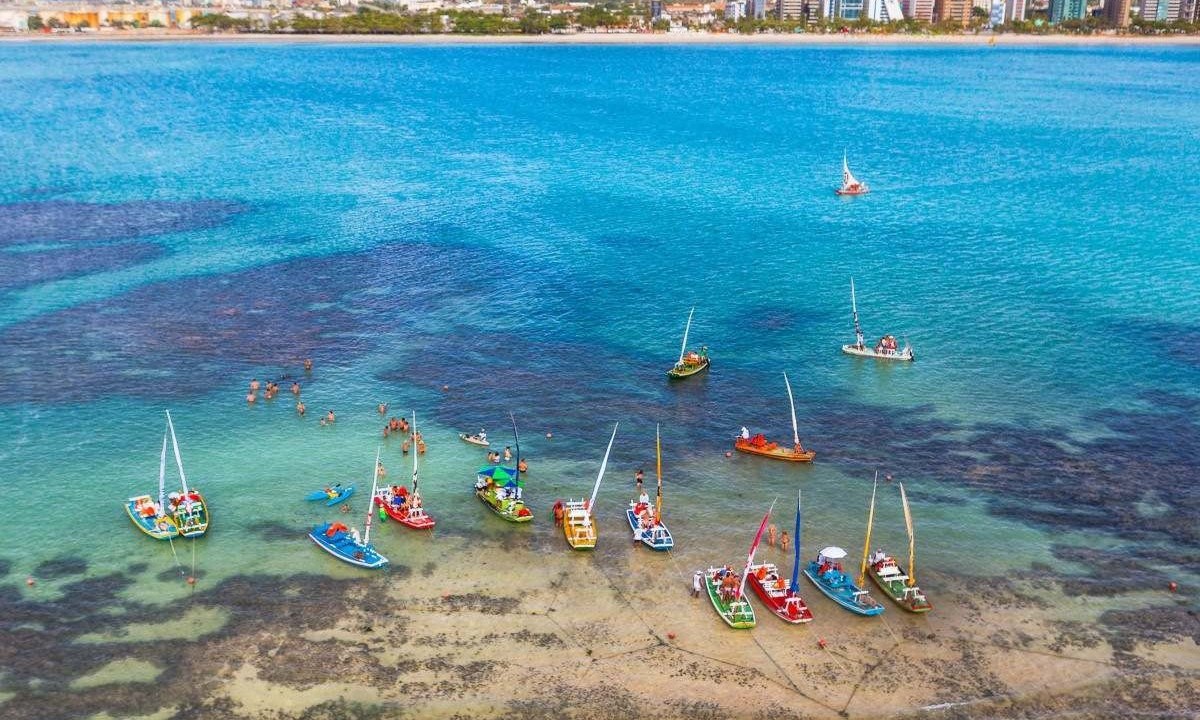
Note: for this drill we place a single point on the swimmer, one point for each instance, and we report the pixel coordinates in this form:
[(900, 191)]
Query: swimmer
[(251, 398), (300, 408), (295, 388), (382, 409), (329, 417), (254, 386), (307, 365)]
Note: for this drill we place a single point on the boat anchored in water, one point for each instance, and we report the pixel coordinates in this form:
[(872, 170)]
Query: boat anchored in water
[(689, 362), (885, 349), (344, 543), (759, 445), (850, 184), (178, 513), (579, 521), (150, 517), (500, 488), (648, 527), (782, 597), (399, 504), (827, 574), (891, 578), (332, 495), (480, 439), (727, 593)]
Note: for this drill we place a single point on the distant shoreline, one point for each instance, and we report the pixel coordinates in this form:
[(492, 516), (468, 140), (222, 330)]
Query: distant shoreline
[(1008, 39)]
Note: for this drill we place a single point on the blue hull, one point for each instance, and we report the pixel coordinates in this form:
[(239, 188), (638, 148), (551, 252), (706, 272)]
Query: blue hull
[(343, 547), (662, 539), (844, 593), (331, 501)]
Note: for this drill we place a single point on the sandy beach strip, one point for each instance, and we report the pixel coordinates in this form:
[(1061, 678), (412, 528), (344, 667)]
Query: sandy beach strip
[(690, 39)]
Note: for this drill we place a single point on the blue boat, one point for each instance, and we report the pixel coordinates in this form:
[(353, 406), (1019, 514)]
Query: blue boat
[(826, 573), (341, 494), (646, 520), (344, 544)]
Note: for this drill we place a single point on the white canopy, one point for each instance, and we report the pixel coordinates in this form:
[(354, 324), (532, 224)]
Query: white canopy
[(833, 553)]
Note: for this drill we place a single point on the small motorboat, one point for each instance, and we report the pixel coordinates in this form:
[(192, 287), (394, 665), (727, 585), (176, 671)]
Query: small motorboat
[(479, 439), (331, 495)]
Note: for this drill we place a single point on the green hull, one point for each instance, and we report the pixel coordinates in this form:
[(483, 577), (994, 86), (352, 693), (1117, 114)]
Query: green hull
[(915, 603), (739, 618), (678, 373), (510, 510)]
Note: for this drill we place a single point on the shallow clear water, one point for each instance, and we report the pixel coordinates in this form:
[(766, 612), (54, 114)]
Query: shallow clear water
[(529, 226)]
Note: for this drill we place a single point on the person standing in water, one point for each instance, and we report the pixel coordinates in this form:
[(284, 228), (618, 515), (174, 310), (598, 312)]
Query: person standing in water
[(300, 408)]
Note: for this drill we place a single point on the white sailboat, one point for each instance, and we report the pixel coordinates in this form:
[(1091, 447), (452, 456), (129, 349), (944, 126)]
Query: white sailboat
[(345, 543), (689, 363), (885, 349), (850, 184)]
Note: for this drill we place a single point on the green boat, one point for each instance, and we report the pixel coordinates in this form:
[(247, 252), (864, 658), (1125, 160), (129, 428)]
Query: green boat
[(689, 363), (500, 488), (890, 576), (734, 609)]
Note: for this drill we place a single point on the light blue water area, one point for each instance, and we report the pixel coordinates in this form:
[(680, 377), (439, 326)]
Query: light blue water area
[(530, 225)]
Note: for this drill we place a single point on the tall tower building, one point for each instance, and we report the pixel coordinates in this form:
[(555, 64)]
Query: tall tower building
[(791, 9), (1116, 12), (921, 10), (1069, 10), (958, 11), (1014, 10)]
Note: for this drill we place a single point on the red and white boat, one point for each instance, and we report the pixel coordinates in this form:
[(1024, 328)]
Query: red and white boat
[(775, 591), (401, 505), (850, 184)]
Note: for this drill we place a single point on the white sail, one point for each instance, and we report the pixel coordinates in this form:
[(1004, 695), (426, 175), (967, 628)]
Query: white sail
[(371, 501), (848, 178), (912, 544), (858, 333), (162, 478), (792, 404), (591, 507), (178, 459), (686, 330), (415, 454)]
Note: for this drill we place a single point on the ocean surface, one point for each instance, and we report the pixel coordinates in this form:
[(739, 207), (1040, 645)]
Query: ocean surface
[(472, 231)]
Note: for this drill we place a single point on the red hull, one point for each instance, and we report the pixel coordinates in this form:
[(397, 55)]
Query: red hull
[(780, 606), (422, 523)]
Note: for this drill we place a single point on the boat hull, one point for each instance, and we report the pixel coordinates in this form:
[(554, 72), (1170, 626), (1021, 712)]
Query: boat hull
[(737, 614), (843, 595), (686, 371), (511, 510), (775, 453), (659, 539), (895, 588), (159, 527), (850, 193), (420, 521), (905, 355), (579, 528), (195, 524), (782, 603), (342, 547), (473, 440)]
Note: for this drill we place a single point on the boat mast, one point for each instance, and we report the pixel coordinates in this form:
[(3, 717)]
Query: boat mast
[(912, 545), (592, 502), (516, 443), (754, 548), (862, 573), (175, 446), (792, 403), (162, 476), (415, 454), (371, 504), (795, 586), (658, 472), (858, 333), (686, 330)]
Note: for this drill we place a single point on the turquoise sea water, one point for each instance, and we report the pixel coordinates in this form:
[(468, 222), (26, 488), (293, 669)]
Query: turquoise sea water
[(529, 227)]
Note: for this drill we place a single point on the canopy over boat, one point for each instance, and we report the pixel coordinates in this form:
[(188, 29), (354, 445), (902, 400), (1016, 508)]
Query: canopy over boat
[(833, 553)]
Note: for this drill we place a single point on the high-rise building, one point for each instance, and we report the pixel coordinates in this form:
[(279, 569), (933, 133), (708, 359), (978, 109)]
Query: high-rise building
[(791, 9), (1116, 12), (921, 10), (996, 14), (756, 9), (656, 9), (956, 11), (849, 9), (885, 11), (1014, 10), (1069, 10), (735, 10)]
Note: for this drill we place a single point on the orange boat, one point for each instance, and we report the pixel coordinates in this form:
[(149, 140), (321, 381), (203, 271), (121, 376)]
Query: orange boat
[(759, 445)]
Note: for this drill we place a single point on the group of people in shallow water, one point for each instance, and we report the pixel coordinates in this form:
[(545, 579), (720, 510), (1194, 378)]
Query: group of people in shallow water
[(271, 389)]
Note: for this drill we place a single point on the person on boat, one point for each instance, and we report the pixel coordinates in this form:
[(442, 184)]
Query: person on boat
[(355, 536), (483, 436), (644, 498), (300, 408), (798, 448), (507, 453), (745, 433), (522, 466), (704, 352), (784, 542), (761, 573)]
